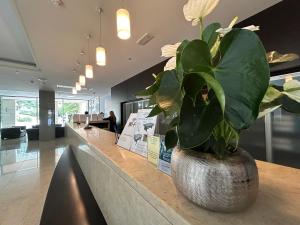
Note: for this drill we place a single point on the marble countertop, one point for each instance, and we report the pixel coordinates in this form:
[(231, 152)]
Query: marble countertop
[(278, 201)]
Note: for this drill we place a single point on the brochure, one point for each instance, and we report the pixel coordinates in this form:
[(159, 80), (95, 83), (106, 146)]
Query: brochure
[(126, 138), (153, 149), (144, 127), (164, 163)]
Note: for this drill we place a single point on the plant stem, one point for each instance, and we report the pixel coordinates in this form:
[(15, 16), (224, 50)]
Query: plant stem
[(201, 27)]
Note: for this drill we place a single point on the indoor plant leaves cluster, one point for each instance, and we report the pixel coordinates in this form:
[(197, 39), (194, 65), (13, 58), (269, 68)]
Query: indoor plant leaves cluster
[(215, 86)]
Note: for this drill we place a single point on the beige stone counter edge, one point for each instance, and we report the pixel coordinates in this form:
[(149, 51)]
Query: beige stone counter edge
[(196, 215), (161, 207)]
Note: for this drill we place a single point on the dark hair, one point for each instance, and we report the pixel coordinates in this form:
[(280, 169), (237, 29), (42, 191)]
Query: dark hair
[(112, 114), (86, 113)]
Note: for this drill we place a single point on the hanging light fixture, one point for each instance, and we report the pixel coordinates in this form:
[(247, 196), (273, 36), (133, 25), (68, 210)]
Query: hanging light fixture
[(81, 76), (82, 80), (89, 73), (77, 86), (100, 51), (74, 91), (123, 24)]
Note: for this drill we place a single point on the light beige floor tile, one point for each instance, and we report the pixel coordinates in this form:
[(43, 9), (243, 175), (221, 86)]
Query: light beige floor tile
[(24, 185)]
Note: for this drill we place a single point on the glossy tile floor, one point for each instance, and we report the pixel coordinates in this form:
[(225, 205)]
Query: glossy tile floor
[(26, 170)]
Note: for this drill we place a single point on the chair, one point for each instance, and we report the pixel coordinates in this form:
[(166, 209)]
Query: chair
[(76, 118), (94, 118), (82, 118), (100, 117)]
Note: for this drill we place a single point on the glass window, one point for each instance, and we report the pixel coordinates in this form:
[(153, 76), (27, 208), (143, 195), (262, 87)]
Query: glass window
[(19, 111), (94, 105), (64, 108)]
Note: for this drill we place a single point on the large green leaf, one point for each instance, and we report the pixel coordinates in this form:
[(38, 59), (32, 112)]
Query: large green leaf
[(155, 111), (197, 121), (151, 89), (217, 88), (171, 139), (168, 95), (174, 122), (180, 49), (210, 35), (244, 75), (226, 132), (192, 84), (195, 56)]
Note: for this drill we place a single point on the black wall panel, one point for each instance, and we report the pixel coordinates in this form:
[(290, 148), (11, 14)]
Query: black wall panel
[(280, 31), (126, 90)]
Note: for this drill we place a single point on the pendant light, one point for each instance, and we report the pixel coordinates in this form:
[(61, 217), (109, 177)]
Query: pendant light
[(77, 86), (100, 51), (89, 68), (82, 80), (74, 91), (123, 24)]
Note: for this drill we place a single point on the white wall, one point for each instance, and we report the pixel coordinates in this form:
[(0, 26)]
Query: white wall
[(105, 104)]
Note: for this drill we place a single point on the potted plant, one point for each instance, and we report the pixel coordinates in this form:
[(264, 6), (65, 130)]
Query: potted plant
[(211, 90)]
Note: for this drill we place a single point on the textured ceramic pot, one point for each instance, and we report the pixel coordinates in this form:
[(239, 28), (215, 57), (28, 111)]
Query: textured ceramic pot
[(229, 185)]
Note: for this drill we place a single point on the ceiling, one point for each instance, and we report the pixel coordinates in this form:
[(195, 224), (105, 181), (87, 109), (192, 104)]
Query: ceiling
[(40, 40)]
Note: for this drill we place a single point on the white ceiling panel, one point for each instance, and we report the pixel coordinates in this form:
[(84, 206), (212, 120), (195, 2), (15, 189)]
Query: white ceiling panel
[(58, 34)]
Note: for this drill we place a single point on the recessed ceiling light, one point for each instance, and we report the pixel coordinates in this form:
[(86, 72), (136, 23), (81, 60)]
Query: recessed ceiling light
[(64, 86), (42, 80), (57, 3), (145, 39)]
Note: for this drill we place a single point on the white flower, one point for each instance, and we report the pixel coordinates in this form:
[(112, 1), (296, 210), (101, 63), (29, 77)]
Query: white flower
[(171, 64), (170, 51), (251, 27), (193, 10), (224, 31)]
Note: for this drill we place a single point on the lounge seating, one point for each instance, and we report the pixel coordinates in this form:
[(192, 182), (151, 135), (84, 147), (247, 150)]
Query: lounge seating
[(59, 131), (33, 134), (10, 133), (22, 128), (69, 199)]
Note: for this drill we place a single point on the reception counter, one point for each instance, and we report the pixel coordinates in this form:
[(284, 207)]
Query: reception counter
[(131, 191)]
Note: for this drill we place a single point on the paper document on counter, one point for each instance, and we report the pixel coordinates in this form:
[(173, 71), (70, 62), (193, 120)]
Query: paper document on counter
[(126, 138)]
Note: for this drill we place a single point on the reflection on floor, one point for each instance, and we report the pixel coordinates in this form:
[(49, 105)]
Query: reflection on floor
[(26, 169)]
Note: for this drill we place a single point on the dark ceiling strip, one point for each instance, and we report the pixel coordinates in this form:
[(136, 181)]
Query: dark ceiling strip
[(18, 62)]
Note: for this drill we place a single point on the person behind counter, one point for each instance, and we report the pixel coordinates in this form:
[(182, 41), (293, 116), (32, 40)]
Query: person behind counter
[(112, 121)]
